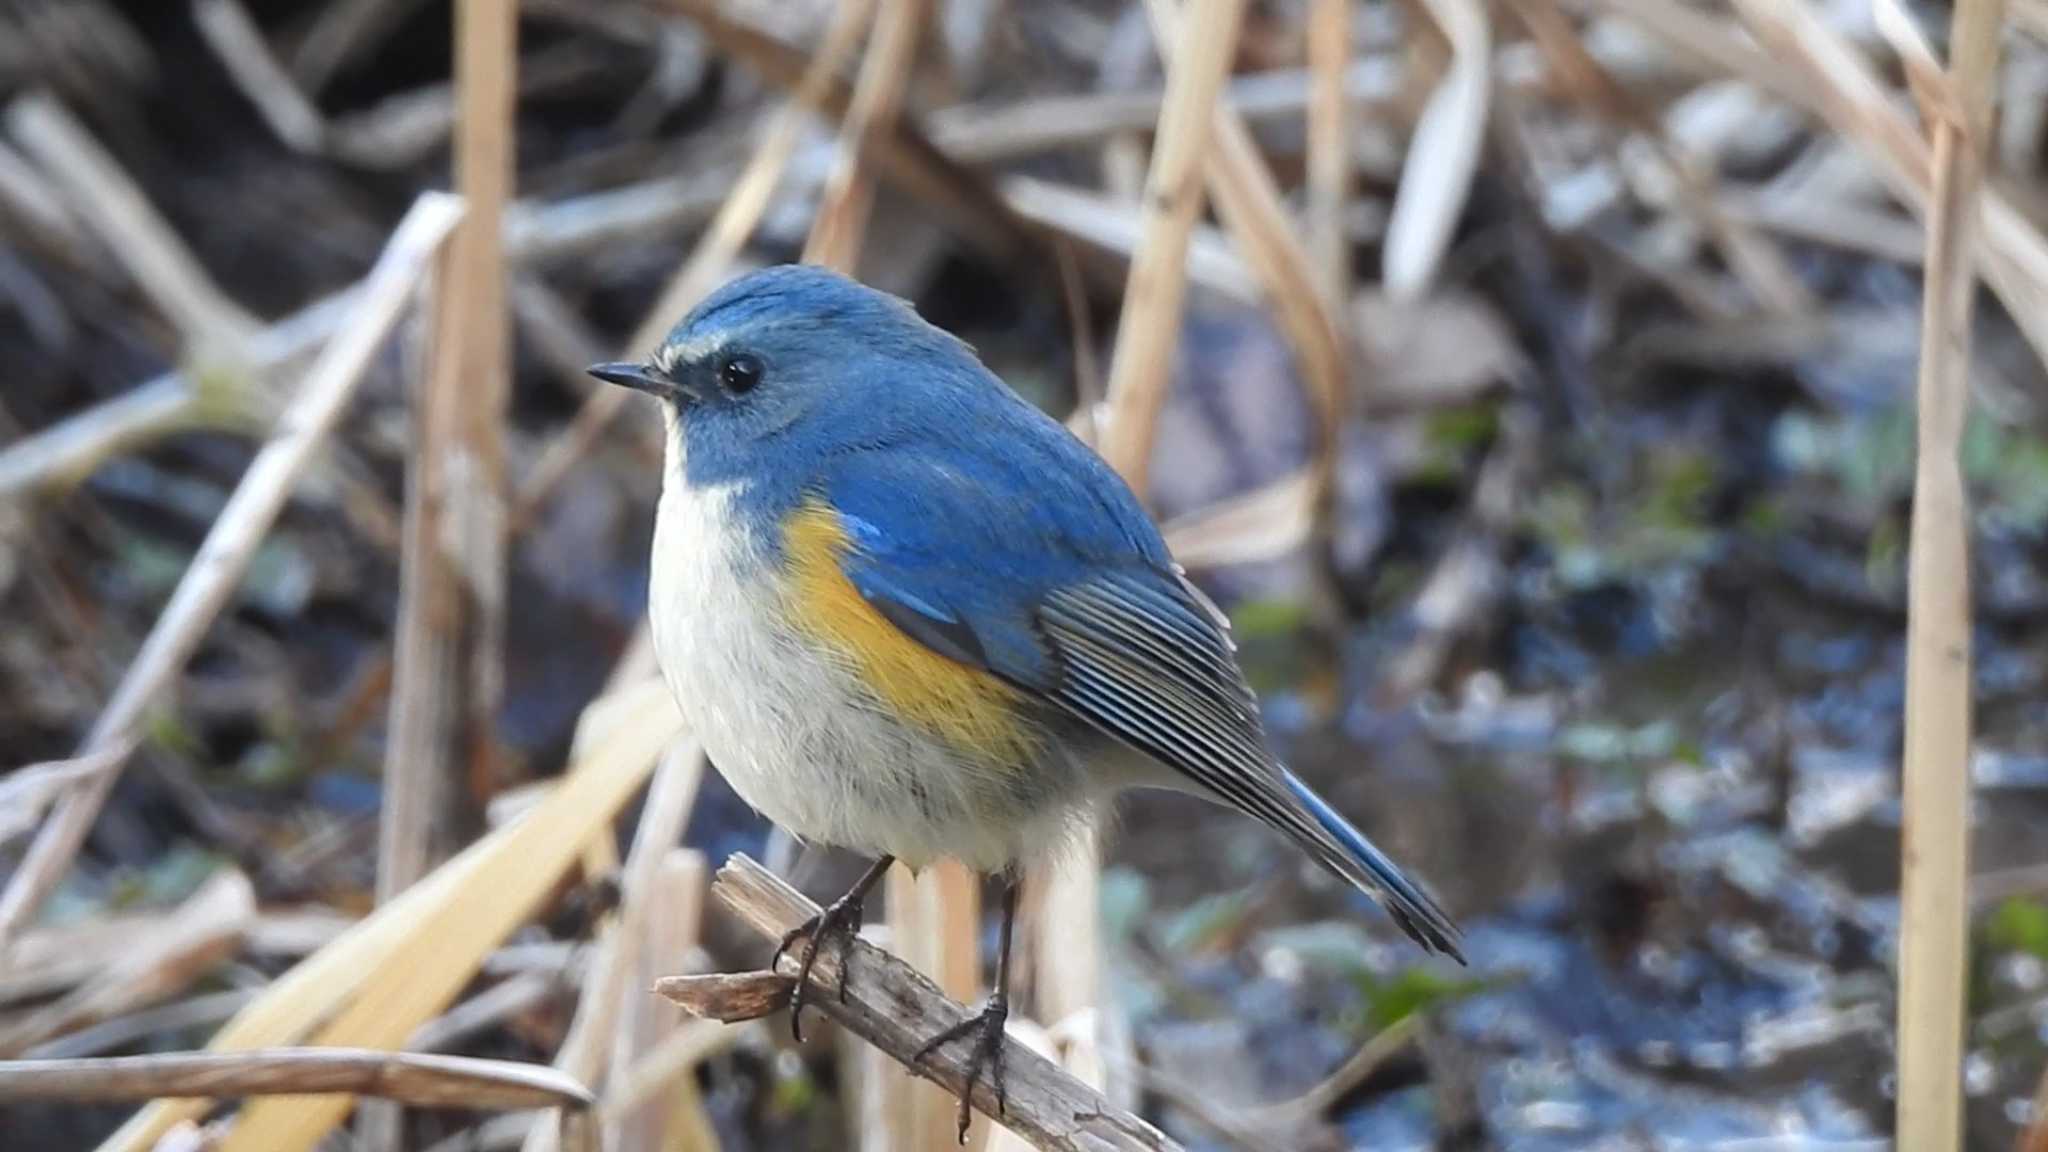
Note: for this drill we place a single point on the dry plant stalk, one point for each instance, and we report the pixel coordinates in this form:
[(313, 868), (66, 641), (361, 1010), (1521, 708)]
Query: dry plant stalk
[(885, 72), (901, 154), (375, 984), (411, 1078), (439, 959), (74, 446), (658, 1071), (225, 554), (1141, 366), (2010, 250), (935, 925), (207, 931), (1935, 839), (26, 791), (449, 675), (674, 925), (1329, 150), (1105, 224), (1443, 155), (1252, 208), (895, 1008), (587, 1049), (238, 41)]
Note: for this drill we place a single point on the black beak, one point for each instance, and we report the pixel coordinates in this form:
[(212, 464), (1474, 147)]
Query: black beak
[(639, 377)]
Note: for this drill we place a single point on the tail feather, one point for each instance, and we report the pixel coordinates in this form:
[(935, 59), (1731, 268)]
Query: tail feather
[(1364, 865)]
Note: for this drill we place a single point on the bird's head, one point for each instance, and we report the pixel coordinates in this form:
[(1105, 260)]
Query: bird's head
[(795, 359)]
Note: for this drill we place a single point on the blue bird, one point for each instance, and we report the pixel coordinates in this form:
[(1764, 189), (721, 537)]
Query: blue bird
[(909, 614)]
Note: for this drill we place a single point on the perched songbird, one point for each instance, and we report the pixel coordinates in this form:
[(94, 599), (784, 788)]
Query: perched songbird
[(909, 614)]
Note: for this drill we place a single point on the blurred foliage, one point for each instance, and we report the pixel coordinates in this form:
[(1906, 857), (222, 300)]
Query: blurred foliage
[(1391, 999), (2019, 926)]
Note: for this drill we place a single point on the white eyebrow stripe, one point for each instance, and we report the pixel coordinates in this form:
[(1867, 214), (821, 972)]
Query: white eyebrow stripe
[(687, 351)]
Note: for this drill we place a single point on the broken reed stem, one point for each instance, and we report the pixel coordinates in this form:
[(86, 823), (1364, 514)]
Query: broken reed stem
[(1935, 838), (446, 680), (1141, 366), (896, 1009), (229, 545), (410, 1078)]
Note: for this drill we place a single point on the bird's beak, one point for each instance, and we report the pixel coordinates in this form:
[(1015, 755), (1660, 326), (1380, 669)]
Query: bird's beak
[(639, 377)]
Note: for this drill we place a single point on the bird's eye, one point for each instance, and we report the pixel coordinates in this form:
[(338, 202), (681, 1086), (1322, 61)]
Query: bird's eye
[(739, 373)]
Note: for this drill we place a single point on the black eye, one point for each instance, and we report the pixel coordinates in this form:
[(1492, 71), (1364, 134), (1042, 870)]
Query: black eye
[(739, 373)]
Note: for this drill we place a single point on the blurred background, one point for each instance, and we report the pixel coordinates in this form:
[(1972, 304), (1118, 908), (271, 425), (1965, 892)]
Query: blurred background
[(1533, 388)]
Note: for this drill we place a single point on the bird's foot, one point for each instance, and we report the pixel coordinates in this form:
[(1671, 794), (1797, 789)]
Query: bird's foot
[(986, 1027), (840, 920)]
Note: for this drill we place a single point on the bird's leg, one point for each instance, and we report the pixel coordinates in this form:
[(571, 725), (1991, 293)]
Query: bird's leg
[(986, 1026), (840, 918)]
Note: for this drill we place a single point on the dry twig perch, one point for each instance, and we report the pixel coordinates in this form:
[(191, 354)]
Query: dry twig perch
[(895, 1008)]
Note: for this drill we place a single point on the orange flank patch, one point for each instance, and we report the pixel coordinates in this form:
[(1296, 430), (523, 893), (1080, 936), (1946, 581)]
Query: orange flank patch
[(966, 707)]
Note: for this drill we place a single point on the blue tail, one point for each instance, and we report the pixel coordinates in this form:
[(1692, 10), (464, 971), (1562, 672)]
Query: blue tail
[(1366, 866)]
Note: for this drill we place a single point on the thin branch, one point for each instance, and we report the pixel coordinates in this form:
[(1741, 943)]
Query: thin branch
[(410, 1078), (895, 1008), (232, 541)]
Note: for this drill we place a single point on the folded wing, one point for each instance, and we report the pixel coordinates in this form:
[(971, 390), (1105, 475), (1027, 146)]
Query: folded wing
[(1071, 596)]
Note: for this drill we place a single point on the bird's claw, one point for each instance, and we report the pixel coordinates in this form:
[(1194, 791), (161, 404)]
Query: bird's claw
[(987, 1028), (840, 919)]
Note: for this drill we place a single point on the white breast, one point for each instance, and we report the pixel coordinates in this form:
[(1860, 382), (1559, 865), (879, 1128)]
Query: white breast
[(790, 730)]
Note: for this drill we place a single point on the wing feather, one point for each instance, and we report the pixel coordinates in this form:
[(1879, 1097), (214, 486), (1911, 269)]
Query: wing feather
[(1155, 671)]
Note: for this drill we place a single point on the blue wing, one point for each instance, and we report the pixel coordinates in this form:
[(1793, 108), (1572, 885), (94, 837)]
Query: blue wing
[(1037, 564)]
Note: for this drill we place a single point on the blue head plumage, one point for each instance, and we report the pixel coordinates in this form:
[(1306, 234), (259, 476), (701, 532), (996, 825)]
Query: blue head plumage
[(796, 362), (793, 375)]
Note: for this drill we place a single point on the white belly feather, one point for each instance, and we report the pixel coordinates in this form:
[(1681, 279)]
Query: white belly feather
[(787, 727)]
